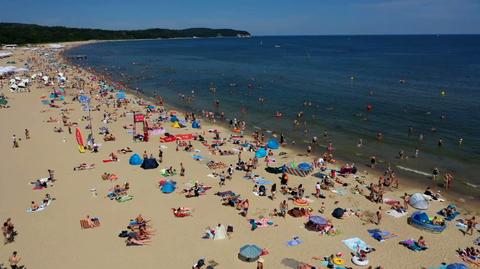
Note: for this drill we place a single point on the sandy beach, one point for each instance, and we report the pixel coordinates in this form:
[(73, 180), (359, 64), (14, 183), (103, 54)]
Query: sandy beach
[(52, 238)]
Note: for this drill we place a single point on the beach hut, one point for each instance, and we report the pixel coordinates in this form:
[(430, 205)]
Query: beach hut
[(418, 201), (273, 144), (149, 163), (249, 253), (135, 159)]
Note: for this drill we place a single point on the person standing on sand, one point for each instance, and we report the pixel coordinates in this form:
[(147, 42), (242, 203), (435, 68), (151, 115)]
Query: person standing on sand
[(160, 155), (27, 134), (182, 170), (309, 149), (379, 215), (15, 142), (435, 173), (14, 260), (283, 208), (471, 223), (260, 263), (448, 178), (406, 200), (273, 190), (373, 161)]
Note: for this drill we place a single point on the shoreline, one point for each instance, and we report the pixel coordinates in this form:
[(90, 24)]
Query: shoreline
[(408, 183)]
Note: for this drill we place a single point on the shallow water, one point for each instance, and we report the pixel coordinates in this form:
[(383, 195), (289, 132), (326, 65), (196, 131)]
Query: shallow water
[(340, 76)]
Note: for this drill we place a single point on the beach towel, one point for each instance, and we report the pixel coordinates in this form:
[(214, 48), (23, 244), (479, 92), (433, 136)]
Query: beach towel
[(124, 198), (355, 244), (325, 264), (262, 181), (390, 201), (84, 223), (381, 235), (197, 157), (40, 207), (340, 191), (412, 245), (451, 217), (395, 213), (294, 242)]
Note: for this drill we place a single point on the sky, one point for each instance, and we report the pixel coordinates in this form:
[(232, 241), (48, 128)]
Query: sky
[(259, 17)]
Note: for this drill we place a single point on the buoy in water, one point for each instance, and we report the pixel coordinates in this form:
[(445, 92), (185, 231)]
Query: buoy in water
[(369, 107)]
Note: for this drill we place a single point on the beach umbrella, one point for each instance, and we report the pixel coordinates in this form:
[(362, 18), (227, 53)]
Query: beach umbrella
[(84, 99), (338, 212), (318, 220), (250, 252), (304, 166), (456, 266)]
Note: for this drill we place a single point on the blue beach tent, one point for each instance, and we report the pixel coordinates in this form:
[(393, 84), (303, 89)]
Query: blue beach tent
[(273, 144), (135, 160), (261, 153)]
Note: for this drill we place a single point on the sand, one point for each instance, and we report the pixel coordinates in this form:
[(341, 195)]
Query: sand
[(53, 238)]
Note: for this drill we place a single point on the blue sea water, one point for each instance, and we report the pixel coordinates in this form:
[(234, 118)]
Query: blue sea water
[(340, 76)]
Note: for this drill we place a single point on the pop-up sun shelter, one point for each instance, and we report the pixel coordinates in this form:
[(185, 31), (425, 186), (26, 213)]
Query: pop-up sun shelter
[(261, 153), (135, 159), (418, 201), (149, 163), (273, 144), (169, 186)]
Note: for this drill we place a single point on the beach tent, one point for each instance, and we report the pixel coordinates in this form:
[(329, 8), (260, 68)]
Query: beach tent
[(135, 159), (338, 212), (220, 233), (169, 186), (176, 125), (418, 201), (149, 163), (196, 125), (250, 253), (121, 95), (456, 266), (261, 153), (273, 144)]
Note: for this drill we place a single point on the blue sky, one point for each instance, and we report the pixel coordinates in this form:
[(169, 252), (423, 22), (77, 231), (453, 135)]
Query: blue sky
[(260, 17)]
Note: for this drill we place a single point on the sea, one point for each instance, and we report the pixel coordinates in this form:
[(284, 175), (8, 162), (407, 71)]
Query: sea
[(416, 91)]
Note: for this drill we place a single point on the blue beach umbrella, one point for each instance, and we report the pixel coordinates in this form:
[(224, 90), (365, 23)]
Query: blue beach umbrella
[(250, 252)]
